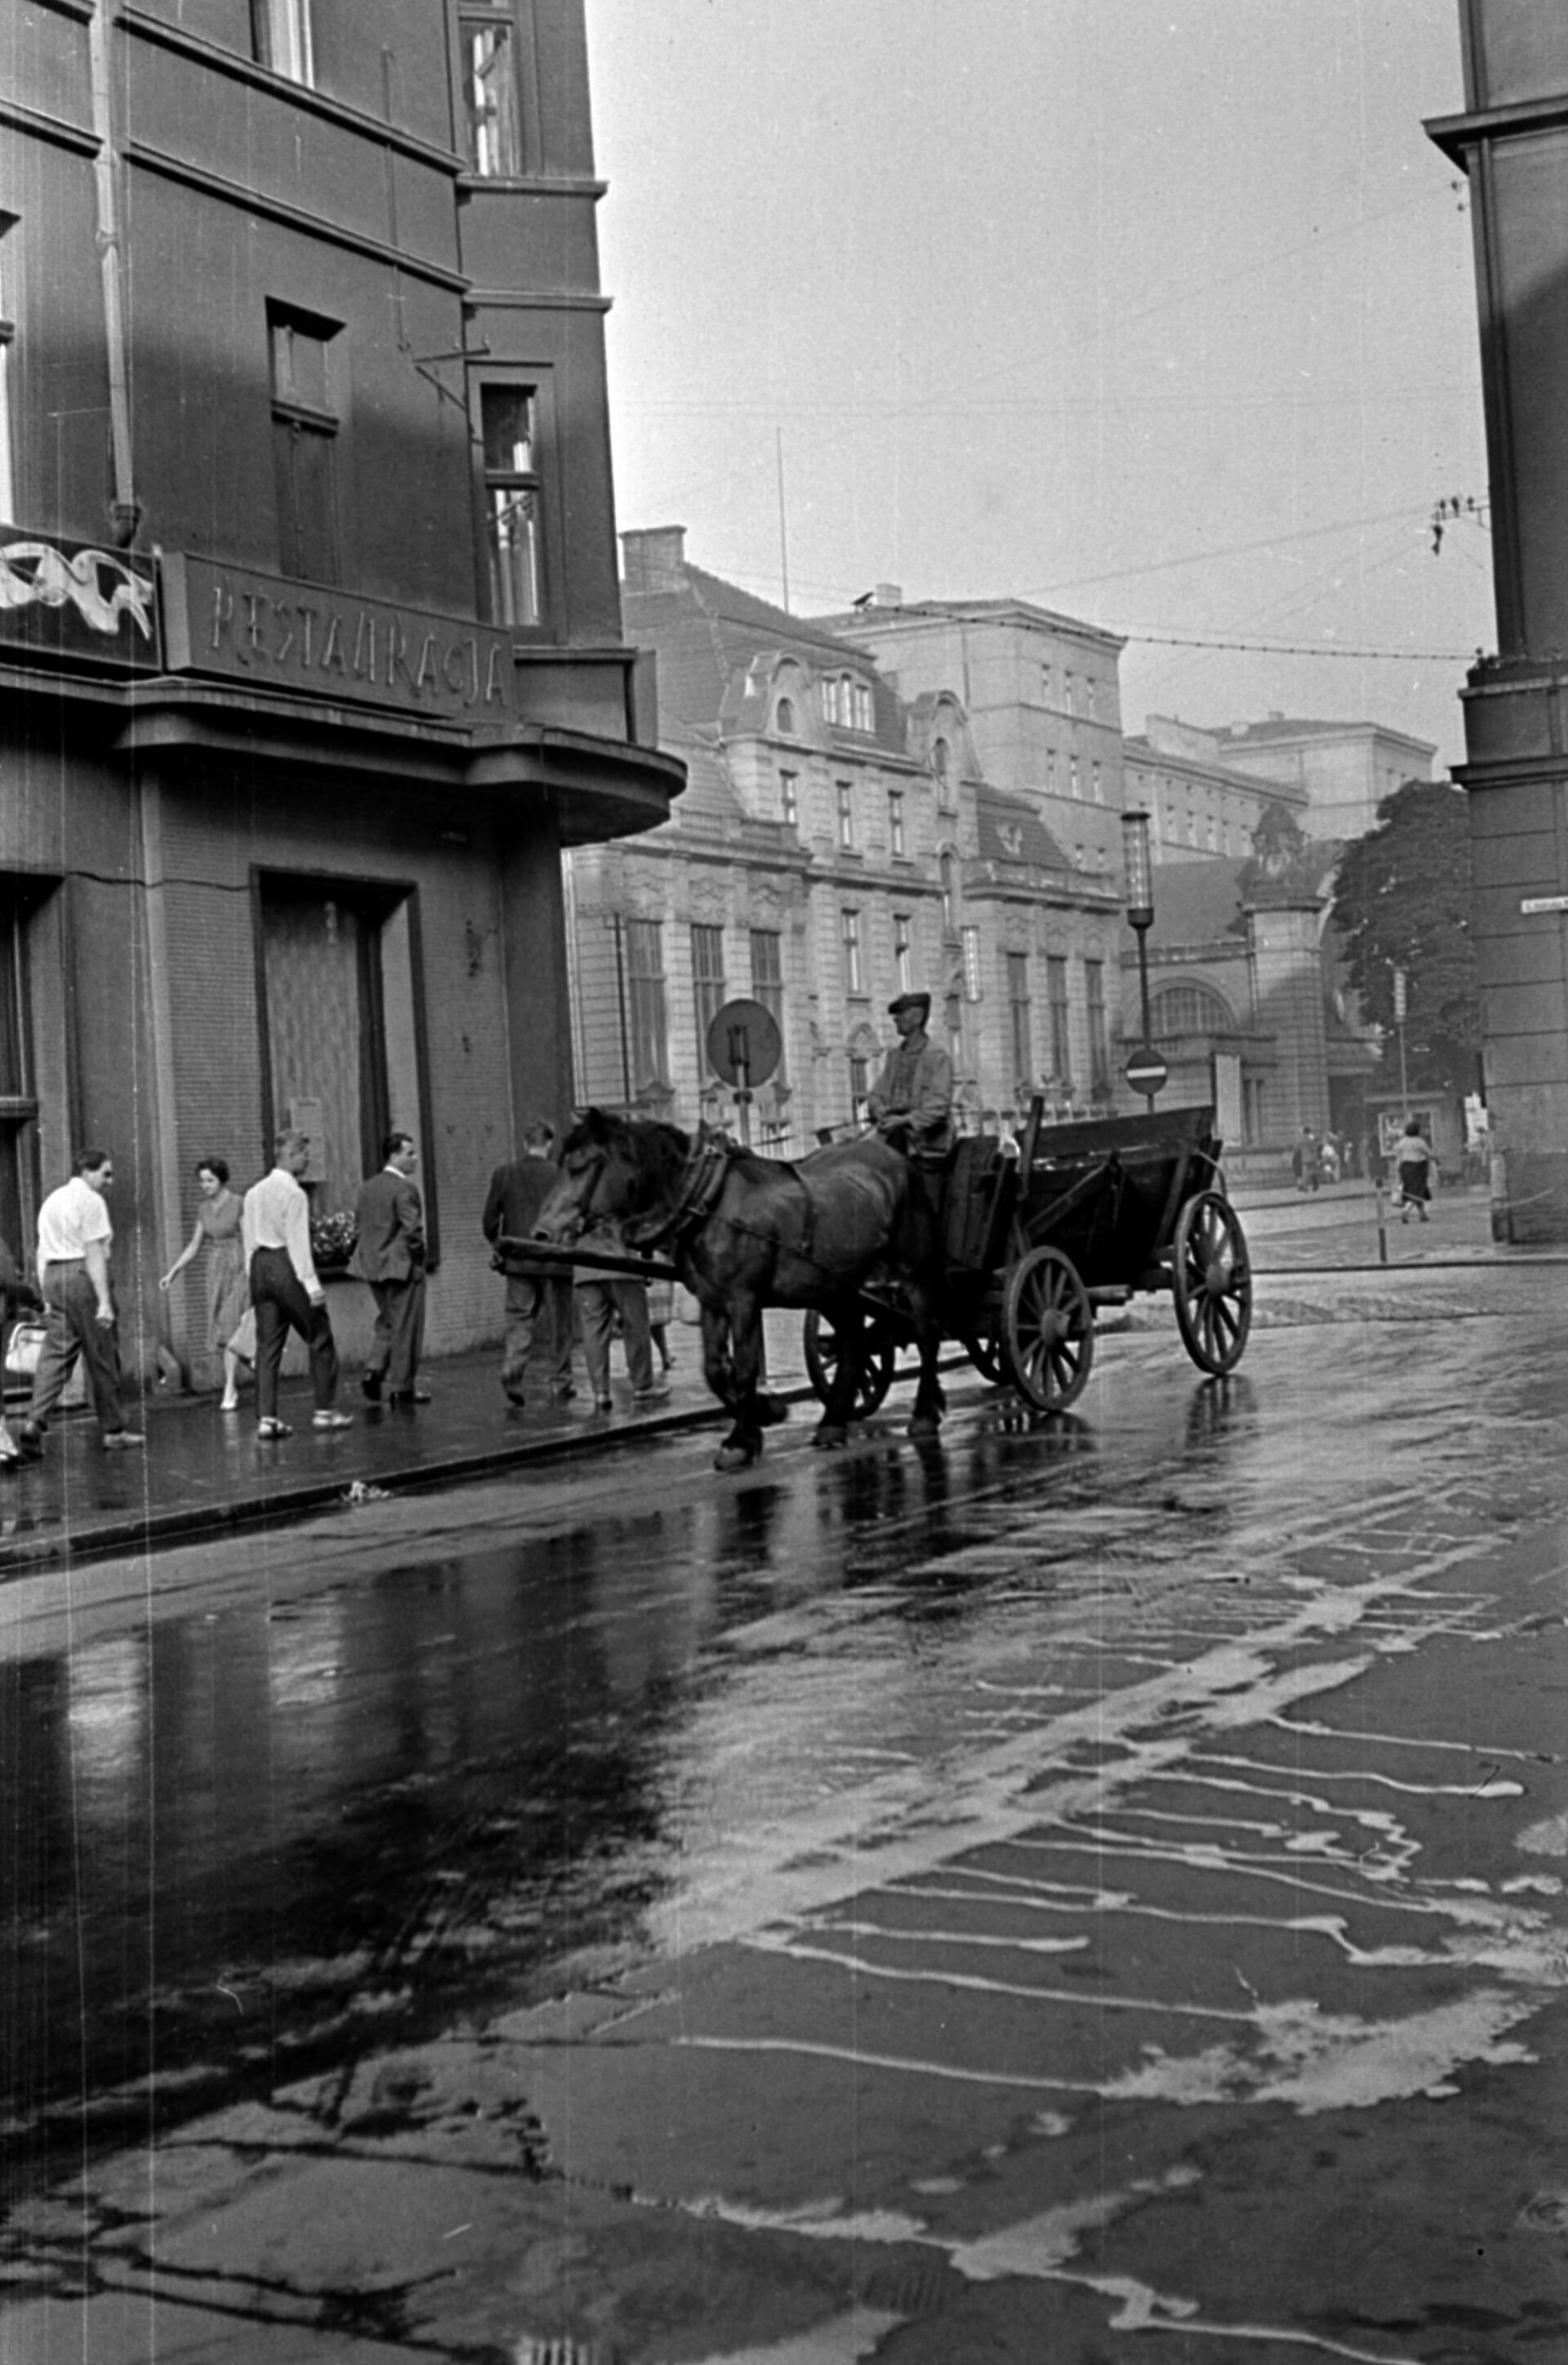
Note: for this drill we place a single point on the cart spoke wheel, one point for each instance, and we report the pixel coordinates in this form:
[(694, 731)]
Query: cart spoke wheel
[(1048, 1330), (982, 1345), (875, 1361), (1211, 1281)]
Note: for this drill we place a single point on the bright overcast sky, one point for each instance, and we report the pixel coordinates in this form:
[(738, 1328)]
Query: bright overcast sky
[(1162, 315)]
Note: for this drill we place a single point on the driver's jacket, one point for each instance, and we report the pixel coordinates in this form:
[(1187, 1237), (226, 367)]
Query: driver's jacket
[(917, 1082)]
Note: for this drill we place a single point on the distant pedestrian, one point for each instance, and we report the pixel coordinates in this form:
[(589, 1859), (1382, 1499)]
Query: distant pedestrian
[(1414, 1163), (75, 1244), (1306, 1163), (389, 1253), (285, 1289), (219, 1213), (539, 1292)]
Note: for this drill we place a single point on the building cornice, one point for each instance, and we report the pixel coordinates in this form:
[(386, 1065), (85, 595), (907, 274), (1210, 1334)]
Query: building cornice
[(250, 200), (216, 58), (53, 127)]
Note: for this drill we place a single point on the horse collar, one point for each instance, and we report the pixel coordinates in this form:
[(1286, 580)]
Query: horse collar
[(702, 1181)]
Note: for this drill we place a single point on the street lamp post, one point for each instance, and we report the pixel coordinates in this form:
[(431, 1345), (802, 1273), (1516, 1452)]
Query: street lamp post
[(1146, 1071)]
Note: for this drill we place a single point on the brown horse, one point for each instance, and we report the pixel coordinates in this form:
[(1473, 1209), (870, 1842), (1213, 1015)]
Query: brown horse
[(744, 1232)]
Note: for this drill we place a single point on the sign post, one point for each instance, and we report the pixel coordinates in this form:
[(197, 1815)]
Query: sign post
[(744, 1047)]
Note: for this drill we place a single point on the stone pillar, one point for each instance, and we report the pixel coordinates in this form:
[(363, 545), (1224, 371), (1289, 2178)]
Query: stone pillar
[(1287, 1003), (1512, 143)]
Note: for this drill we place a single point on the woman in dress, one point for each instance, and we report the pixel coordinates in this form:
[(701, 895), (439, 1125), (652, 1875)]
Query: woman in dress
[(1416, 1162), (228, 1291)]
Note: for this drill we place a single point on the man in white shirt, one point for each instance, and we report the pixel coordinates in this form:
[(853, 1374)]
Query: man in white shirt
[(74, 1238), (284, 1290)]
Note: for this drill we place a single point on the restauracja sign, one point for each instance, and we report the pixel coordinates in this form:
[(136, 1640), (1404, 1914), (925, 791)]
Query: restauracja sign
[(306, 636)]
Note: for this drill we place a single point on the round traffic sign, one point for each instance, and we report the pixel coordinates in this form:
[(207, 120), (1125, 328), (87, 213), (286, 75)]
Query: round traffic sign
[(744, 1044), (1146, 1071)]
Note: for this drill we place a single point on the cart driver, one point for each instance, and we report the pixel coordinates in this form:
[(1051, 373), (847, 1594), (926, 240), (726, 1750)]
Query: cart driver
[(912, 1104)]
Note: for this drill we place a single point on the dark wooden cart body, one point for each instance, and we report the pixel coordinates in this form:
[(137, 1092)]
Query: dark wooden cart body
[(1074, 1218)]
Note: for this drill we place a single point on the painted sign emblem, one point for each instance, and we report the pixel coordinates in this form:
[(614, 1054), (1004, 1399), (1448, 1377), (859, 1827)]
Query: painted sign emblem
[(72, 598)]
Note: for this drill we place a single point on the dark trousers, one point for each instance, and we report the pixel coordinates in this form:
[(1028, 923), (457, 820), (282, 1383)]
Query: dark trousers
[(599, 1303), (280, 1305), (72, 1329), (397, 1341), (539, 1313)]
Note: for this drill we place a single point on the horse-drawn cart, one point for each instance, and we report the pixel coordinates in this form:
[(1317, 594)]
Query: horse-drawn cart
[(1036, 1238)]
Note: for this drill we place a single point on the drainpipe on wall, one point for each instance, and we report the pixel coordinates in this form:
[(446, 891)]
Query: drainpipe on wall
[(125, 510)]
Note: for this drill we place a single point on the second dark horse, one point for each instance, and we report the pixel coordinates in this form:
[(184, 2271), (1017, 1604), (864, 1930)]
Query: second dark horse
[(746, 1232)]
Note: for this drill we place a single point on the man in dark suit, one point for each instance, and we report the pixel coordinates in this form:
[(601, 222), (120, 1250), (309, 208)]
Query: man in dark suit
[(390, 1256), (539, 1293)]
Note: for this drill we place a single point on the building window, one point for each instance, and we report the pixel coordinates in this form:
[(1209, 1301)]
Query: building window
[(1055, 1002), (860, 1083), (846, 813), (784, 717), (1074, 783), (1097, 784), (945, 883), (1070, 692), (647, 1015), (707, 982), (305, 440), (1188, 1010), (280, 37), (895, 824), (941, 764), (1018, 1018), (901, 952), (1048, 685), (1090, 696), (767, 984), (492, 136), (846, 703), (789, 797), (513, 515), (854, 981), (1099, 1043), (861, 717), (7, 339), (1050, 772)]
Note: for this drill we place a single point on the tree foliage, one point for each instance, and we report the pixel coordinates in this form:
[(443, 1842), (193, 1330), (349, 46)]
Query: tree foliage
[(1402, 902)]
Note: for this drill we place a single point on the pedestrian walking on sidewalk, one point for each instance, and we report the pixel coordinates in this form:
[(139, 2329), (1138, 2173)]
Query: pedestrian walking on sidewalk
[(539, 1293), (285, 1289), (607, 1298), (219, 1217), (1414, 1163), (75, 1244), (1306, 1163), (390, 1255)]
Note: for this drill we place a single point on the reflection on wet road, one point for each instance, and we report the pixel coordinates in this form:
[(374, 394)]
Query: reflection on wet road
[(1029, 1833)]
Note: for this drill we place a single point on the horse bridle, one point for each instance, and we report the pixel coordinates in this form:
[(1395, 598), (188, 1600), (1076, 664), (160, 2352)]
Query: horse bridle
[(701, 1180)]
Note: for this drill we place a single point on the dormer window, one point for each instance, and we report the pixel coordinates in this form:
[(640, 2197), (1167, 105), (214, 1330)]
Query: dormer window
[(846, 703), (784, 718), (941, 765)]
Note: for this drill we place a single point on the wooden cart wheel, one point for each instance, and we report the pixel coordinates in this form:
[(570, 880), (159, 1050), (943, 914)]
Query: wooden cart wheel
[(875, 1363), (1211, 1281), (1048, 1330)]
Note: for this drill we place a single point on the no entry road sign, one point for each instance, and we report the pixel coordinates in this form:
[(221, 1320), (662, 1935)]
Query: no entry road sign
[(1146, 1071)]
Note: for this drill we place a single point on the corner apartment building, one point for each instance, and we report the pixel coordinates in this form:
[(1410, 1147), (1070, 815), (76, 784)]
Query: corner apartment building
[(309, 626), (836, 843)]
